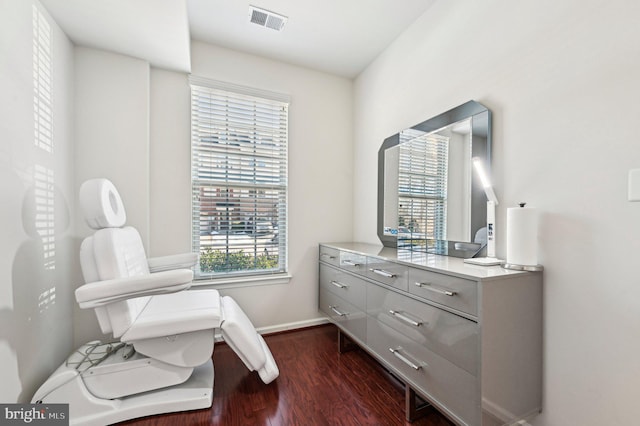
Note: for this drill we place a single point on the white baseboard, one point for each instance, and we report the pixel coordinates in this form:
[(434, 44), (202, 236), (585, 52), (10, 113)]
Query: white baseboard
[(292, 325), (503, 415), (282, 327)]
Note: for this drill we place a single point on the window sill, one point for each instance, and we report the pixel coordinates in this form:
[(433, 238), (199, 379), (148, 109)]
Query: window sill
[(239, 282)]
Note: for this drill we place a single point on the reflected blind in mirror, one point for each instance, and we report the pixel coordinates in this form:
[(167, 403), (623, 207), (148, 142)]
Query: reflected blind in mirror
[(422, 185), (239, 179)]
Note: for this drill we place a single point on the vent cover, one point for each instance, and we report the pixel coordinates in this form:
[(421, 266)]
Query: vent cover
[(265, 18)]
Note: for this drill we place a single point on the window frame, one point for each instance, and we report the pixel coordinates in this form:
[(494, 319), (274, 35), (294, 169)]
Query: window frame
[(219, 90)]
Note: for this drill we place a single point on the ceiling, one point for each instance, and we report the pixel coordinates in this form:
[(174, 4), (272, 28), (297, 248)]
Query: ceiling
[(154, 30), (336, 36)]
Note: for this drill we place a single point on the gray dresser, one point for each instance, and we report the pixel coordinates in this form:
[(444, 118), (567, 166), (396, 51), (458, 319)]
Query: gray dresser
[(467, 339)]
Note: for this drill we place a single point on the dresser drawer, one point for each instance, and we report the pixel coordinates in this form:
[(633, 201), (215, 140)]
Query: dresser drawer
[(392, 274), (330, 255), (351, 289), (449, 335), (344, 314), (445, 384), (454, 292), (353, 262)]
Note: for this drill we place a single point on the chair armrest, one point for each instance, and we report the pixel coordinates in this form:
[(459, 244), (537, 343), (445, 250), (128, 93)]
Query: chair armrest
[(101, 293), (175, 261)]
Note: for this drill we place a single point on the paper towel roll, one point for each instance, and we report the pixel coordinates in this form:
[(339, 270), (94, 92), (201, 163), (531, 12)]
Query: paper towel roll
[(522, 236)]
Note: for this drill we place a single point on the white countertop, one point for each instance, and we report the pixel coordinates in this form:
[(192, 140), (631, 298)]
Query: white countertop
[(428, 261)]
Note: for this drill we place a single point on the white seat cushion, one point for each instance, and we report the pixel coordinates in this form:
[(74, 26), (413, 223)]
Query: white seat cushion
[(176, 313)]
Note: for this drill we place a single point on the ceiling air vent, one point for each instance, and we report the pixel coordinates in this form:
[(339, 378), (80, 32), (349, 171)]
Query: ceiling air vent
[(264, 18)]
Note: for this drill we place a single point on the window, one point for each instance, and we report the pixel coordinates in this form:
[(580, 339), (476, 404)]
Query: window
[(422, 185), (239, 179)]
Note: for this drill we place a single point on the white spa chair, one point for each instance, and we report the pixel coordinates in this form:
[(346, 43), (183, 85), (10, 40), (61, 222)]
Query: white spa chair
[(161, 361)]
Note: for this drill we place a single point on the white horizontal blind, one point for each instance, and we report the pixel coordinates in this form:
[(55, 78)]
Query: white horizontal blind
[(239, 181), (422, 185)]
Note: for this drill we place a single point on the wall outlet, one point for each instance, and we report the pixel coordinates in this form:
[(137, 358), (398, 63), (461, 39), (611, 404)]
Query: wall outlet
[(634, 185)]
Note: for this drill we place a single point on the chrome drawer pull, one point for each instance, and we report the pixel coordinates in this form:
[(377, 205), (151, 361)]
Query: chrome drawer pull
[(327, 255), (430, 287), (383, 273), (404, 359), (350, 263), (337, 312), (405, 318), (339, 285)]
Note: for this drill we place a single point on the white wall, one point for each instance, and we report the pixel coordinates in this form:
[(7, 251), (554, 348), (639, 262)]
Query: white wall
[(36, 280), (320, 174), (561, 79), (112, 141), (112, 128), (169, 166)]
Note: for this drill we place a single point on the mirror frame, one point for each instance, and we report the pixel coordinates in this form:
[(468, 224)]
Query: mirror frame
[(470, 109)]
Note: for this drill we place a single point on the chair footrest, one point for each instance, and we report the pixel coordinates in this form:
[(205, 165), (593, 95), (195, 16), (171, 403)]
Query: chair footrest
[(242, 337)]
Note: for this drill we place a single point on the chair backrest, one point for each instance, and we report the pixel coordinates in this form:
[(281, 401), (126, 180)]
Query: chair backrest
[(113, 251)]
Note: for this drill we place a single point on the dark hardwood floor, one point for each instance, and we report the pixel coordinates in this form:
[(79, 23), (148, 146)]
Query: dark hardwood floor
[(317, 386)]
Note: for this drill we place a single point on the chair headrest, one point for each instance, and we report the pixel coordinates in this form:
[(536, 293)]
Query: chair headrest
[(101, 204)]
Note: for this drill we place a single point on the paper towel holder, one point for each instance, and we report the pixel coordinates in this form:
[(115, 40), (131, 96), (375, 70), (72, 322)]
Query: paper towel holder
[(527, 268)]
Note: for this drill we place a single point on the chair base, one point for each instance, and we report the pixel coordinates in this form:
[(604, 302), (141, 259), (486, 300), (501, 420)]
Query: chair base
[(66, 386)]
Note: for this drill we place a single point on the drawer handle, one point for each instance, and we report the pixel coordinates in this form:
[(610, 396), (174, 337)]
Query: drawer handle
[(404, 359), (383, 273), (430, 287), (350, 263), (339, 285), (327, 255), (337, 312), (405, 318)]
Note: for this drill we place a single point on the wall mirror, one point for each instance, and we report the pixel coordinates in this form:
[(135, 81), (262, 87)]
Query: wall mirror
[(429, 199)]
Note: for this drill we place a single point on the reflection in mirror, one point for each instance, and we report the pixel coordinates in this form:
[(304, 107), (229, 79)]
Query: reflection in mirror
[(428, 197)]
